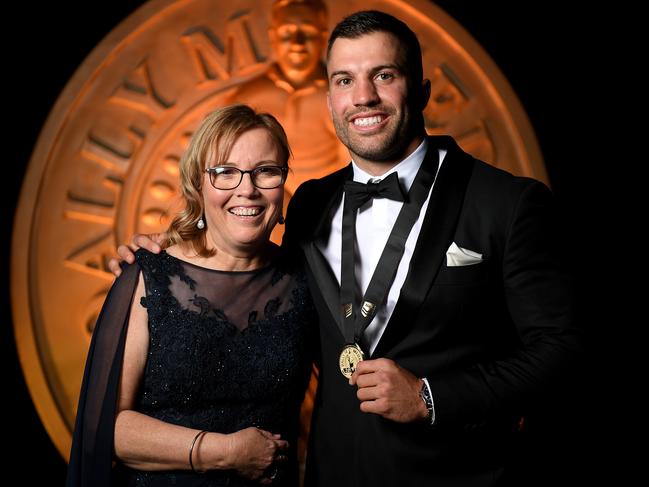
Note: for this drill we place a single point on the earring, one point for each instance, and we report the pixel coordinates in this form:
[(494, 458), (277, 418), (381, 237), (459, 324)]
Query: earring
[(281, 220), (201, 224)]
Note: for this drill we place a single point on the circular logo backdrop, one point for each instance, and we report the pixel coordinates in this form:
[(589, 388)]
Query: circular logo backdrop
[(106, 163)]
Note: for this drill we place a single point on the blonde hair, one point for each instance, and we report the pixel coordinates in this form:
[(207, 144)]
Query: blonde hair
[(214, 138)]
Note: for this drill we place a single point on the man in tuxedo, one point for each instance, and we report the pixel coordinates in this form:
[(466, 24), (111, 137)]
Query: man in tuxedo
[(444, 308), (476, 321)]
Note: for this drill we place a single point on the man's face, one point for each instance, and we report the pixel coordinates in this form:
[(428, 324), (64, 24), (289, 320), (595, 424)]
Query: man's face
[(298, 40), (369, 98)]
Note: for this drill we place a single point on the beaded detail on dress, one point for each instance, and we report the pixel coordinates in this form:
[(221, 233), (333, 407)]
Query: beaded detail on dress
[(227, 350)]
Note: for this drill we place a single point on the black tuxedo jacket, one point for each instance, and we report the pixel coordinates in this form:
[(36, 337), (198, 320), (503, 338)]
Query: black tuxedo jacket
[(489, 337)]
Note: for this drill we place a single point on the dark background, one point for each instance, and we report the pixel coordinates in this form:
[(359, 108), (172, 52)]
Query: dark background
[(552, 54)]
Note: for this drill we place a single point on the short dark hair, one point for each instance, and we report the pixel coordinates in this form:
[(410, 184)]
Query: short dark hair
[(369, 21)]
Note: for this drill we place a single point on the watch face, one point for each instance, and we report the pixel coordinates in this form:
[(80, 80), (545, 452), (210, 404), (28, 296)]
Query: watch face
[(425, 395), (428, 400)]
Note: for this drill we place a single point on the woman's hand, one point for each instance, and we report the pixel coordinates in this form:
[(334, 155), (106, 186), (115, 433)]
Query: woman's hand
[(252, 451)]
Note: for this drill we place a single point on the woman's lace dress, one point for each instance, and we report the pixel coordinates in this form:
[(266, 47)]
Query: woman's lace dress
[(227, 350)]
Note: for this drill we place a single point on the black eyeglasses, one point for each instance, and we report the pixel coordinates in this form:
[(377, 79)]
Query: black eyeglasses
[(263, 177)]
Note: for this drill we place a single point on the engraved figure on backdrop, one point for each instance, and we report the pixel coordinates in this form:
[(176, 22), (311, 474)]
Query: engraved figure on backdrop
[(294, 89)]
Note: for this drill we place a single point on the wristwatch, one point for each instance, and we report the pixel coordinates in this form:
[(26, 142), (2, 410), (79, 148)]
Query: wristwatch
[(426, 396)]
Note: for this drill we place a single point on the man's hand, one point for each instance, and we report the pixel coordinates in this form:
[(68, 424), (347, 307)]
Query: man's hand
[(152, 242), (388, 390)]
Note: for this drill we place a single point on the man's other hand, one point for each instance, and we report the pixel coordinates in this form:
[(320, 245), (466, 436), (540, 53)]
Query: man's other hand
[(152, 242)]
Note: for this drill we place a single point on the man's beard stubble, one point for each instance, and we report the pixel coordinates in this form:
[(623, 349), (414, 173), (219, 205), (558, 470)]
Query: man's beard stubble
[(387, 147)]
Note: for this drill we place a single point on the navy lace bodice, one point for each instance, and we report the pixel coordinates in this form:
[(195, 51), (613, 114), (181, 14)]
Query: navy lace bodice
[(227, 350)]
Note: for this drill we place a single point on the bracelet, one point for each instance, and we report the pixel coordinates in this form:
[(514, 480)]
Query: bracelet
[(191, 451)]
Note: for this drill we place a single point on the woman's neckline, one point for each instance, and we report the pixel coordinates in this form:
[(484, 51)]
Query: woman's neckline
[(262, 268)]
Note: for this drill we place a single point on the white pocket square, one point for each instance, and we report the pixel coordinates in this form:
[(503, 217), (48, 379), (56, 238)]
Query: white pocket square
[(457, 256)]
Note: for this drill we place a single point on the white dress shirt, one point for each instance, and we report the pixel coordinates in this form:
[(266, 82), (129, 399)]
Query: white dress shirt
[(374, 223)]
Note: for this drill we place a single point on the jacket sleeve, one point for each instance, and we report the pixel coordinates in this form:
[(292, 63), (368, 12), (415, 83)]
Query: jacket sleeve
[(91, 455), (538, 294)]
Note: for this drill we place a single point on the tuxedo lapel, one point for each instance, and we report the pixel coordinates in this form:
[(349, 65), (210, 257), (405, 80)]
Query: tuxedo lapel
[(328, 199), (434, 238), (326, 281)]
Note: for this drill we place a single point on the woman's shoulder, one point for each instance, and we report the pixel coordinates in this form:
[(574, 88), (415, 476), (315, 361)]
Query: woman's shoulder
[(146, 259), (162, 266), (162, 263)]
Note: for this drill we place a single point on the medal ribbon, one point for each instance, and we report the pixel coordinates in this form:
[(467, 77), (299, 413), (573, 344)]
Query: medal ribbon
[(356, 319)]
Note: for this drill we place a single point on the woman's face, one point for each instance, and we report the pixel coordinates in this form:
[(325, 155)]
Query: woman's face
[(240, 220)]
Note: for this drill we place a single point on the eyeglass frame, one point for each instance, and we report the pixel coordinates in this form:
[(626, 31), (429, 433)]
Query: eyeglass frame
[(211, 170)]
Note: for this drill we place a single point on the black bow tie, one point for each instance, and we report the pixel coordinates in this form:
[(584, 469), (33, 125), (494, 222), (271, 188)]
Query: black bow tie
[(357, 194)]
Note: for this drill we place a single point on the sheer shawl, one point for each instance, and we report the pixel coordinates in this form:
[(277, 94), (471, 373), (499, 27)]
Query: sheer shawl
[(91, 456)]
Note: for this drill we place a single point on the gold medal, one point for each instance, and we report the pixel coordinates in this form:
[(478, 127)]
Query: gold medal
[(350, 356)]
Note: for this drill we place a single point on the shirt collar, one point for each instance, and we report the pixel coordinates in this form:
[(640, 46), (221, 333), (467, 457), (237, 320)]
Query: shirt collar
[(406, 169)]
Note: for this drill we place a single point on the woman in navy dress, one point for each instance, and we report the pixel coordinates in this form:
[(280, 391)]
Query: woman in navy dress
[(199, 360)]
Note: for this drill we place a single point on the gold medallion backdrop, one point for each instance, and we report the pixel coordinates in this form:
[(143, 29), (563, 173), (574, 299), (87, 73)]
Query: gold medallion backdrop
[(106, 162)]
